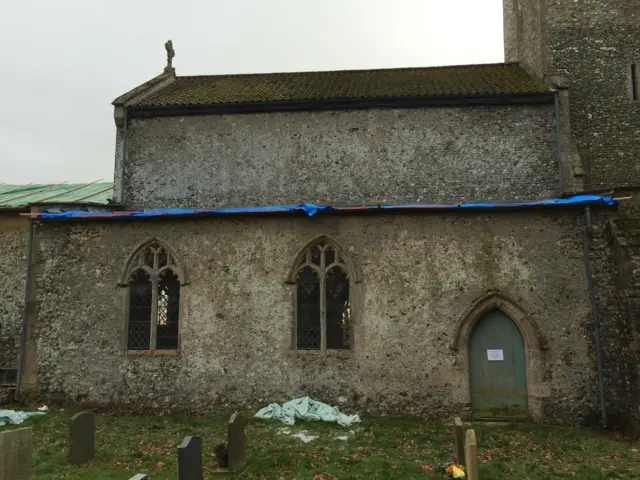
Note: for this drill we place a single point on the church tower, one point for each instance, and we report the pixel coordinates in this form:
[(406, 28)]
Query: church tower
[(591, 48)]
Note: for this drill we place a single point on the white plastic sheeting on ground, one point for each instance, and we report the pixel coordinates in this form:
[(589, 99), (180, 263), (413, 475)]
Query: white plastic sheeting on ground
[(307, 409), (304, 437), (13, 417)]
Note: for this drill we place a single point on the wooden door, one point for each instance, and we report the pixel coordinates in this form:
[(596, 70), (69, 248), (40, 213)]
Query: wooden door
[(497, 369)]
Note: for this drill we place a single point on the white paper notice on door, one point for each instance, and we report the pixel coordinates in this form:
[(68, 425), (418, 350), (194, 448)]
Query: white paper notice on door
[(495, 355)]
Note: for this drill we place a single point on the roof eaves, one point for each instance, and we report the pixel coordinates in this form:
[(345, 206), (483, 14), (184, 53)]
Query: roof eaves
[(12, 209), (350, 103)]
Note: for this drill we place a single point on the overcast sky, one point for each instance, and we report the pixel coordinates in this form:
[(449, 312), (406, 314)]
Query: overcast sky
[(63, 62)]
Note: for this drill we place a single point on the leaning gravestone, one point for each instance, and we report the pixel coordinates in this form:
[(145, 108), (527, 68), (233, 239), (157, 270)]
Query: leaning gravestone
[(471, 455), (16, 454), (235, 446), (190, 459), (140, 476), (82, 431), (458, 432)]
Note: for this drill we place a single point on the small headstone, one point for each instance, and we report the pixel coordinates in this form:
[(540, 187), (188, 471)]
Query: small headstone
[(190, 459), (16, 454), (471, 455), (140, 476), (82, 431), (235, 447), (236, 442), (458, 432)]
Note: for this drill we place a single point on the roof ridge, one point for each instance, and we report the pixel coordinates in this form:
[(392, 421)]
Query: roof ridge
[(390, 69)]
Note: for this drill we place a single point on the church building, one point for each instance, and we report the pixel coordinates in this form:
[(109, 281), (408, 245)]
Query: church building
[(459, 239)]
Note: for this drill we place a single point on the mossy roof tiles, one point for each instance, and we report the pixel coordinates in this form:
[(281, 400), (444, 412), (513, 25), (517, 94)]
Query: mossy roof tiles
[(432, 82)]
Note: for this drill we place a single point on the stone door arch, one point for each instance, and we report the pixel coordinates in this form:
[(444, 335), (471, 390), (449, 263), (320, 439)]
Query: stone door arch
[(533, 346)]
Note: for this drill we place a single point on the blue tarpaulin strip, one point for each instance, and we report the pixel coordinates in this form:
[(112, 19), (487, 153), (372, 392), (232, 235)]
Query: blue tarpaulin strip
[(311, 209), (575, 200)]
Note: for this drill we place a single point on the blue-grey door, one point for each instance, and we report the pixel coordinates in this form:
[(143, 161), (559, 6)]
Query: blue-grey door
[(497, 368)]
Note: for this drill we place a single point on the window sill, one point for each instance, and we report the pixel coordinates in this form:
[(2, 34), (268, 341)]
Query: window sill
[(326, 353), (153, 353)]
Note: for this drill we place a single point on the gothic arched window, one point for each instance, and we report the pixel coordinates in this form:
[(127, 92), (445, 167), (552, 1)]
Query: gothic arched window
[(153, 277), (323, 306)]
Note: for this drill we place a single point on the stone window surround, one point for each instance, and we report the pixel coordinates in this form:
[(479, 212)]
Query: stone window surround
[(355, 296), (131, 265)]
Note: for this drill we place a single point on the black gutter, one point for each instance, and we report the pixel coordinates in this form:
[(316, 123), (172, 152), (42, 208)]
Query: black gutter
[(348, 103), (25, 318), (596, 316), (556, 106), (18, 209)]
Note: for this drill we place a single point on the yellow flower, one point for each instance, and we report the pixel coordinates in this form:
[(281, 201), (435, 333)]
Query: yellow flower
[(457, 472)]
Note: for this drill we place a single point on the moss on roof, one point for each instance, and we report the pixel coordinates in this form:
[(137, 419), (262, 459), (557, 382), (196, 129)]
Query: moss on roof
[(467, 80)]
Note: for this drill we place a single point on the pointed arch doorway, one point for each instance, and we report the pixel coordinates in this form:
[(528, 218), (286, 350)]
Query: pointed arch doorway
[(497, 368)]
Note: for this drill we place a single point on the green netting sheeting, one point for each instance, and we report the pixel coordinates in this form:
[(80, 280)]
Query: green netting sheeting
[(307, 409), (21, 195)]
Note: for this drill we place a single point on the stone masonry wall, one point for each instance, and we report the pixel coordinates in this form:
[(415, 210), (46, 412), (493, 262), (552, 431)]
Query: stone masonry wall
[(617, 348), (590, 46), (341, 157), (524, 34), (624, 232), (420, 273), (14, 234)]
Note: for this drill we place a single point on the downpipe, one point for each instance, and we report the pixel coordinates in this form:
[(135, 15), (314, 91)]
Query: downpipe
[(124, 155), (25, 316), (594, 309), (556, 106)]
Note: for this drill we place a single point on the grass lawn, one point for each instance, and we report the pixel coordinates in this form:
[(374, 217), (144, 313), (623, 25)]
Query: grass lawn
[(376, 449)]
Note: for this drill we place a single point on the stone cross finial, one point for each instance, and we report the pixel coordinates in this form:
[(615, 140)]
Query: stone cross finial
[(170, 54)]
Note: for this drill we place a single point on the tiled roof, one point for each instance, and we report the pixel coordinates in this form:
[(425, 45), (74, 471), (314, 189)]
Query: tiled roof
[(15, 196), (433, 82)]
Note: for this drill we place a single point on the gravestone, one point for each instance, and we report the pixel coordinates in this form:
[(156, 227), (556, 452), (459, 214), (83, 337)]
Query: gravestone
[(140, 476), (16, 454), (458, 432), (471, 455), (235, 446), (190, 459), (235, 436), (82, 431)]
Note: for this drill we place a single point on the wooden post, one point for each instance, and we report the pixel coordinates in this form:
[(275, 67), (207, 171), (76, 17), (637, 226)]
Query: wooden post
[(458, 433), (471, 455)]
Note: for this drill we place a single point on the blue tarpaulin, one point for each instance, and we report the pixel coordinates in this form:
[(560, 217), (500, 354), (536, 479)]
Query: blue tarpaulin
[(312, 210)]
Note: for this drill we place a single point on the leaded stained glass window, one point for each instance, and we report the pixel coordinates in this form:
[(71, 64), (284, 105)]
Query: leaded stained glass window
[(154, 299), (323, 307)]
